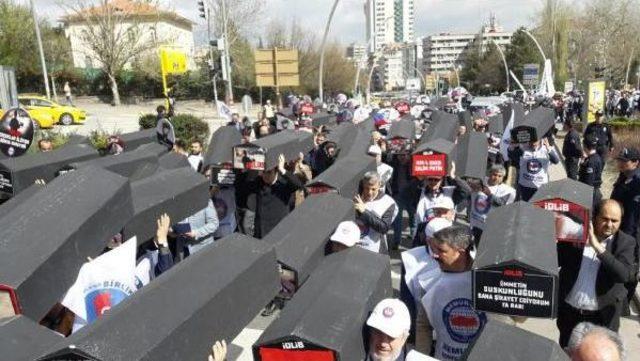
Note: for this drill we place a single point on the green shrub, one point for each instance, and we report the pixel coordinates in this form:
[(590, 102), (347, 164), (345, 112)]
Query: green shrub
[(58, 139), (187, 127), (147, 121), (99, 139)]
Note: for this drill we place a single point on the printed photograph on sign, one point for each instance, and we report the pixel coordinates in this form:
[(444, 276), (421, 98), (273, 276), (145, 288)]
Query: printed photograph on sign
[(434, 165), (572, 221), (16, 132), (399, 146), (250, 158)]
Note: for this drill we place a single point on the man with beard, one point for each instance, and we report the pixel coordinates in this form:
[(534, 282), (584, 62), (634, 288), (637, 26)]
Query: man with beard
[(375, 212), (448, 302), (388, 327), (592, 277)]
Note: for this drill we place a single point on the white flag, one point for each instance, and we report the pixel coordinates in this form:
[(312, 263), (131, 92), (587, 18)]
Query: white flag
[(102, 284), (506, 137), (224, 110)]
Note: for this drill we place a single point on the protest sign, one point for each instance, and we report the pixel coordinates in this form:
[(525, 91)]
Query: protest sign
[(263, 153), (432, 158), (16, 132)]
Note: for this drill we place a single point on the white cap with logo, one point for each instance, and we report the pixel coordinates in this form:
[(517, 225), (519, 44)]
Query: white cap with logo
[(443, 203), (391, 317), (436, 225), (347, 233), (374, 150)]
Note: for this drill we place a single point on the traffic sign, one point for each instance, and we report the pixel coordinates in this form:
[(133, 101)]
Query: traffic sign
[(530, 74)]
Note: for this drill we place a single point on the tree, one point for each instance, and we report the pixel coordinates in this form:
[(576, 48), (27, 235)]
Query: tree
[(522, 51), (113, 34)]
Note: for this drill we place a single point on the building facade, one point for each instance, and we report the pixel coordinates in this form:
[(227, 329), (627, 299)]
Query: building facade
[(156, 26), (444, 52), (404, 18), (388, 22)]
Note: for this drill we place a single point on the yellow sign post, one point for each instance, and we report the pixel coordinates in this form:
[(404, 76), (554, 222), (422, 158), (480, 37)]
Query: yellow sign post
[(172, 61), (596, 99), (277, 67)]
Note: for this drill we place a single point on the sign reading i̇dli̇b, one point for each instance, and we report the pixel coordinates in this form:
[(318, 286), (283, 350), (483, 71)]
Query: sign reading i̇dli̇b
[(16, 132)]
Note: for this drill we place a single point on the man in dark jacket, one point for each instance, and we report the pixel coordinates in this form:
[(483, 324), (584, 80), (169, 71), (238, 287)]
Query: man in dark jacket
[(268, 197), (607, 261), (626, 190), (590, 172), (571, 150), (401, 181), (602, 132), (375, 212)]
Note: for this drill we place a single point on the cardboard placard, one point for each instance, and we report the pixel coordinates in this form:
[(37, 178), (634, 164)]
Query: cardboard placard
[(572, 220), (307, 108), (403, 107), (523, 134), (515, 290), (429, 165), (223, 176), (6, 185), (249, 158)]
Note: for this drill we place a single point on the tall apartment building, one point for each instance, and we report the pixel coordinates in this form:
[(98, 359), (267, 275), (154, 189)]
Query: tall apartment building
[(389, 21), (444, 51)]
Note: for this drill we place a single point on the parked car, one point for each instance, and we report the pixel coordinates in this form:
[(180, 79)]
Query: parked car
[(62, 114), (41, 118)]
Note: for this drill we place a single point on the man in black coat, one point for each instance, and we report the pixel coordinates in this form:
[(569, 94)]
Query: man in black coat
[(571, 150), (602, 132), (592, 277), (268, 197)]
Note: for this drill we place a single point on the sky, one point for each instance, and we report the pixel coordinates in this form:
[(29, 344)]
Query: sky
[(348, 25)]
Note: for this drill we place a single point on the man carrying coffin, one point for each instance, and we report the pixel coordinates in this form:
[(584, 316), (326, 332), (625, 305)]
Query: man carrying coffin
[(592, 278), (448, 302), (375, 212), (269, 196), (532, 161), (388, 327)]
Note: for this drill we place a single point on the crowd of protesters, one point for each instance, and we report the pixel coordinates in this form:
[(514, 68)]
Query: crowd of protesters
[(446, 219)]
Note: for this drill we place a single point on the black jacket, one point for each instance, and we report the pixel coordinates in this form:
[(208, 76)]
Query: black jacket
[(603, 134), (382, 224), (572, 147), (591, 171), (628, 194), (616, 268), (269, 203)]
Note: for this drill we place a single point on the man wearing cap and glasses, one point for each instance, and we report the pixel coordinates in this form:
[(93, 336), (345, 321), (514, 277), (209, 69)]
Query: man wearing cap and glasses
[(602, 132), (388, 327), (626, 190)]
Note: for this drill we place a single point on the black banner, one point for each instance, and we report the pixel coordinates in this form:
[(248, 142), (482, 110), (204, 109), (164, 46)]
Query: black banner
[(515, 291)]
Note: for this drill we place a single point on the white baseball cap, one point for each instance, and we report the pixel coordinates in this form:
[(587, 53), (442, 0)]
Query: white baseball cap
[(444, 203), (391, 317), (436, 225), (374, 150), (347, 233)]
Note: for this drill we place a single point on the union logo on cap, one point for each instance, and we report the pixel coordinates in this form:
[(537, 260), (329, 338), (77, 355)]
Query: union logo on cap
[(388, 312)]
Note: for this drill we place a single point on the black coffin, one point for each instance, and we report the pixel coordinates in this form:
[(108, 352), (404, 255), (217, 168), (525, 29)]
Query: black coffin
[(128, 164), (22, 339), (13, 202), (464, 118), (534, 125), (516, 267), (45, 240), (326, 318), (401, 136), (322, 118), (135, 139), (496, 124), (432, 158), (359, 146), (173, 160), (343, 135), (16, 174), (367, 125), (443, 125), (471, 156), (263, 153), (75, 139), (572, 202), (300, 238), (153, 148), (499, 341), (211, 295), (343, 176), (178, 192), (220, 150)]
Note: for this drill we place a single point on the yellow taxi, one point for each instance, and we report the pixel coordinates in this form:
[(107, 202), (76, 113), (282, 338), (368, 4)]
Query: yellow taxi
[(62, 114), (41, 118)]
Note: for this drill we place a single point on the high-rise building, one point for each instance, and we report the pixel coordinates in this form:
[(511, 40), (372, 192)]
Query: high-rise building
[(404, 17), (389, 21)]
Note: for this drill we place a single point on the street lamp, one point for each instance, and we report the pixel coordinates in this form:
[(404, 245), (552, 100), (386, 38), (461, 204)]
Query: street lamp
[(39, 39), (322, 48), (504, 60)]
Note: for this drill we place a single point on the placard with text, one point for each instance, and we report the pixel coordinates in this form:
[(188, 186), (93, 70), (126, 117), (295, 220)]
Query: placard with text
[(572, 220), (429, 165)]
